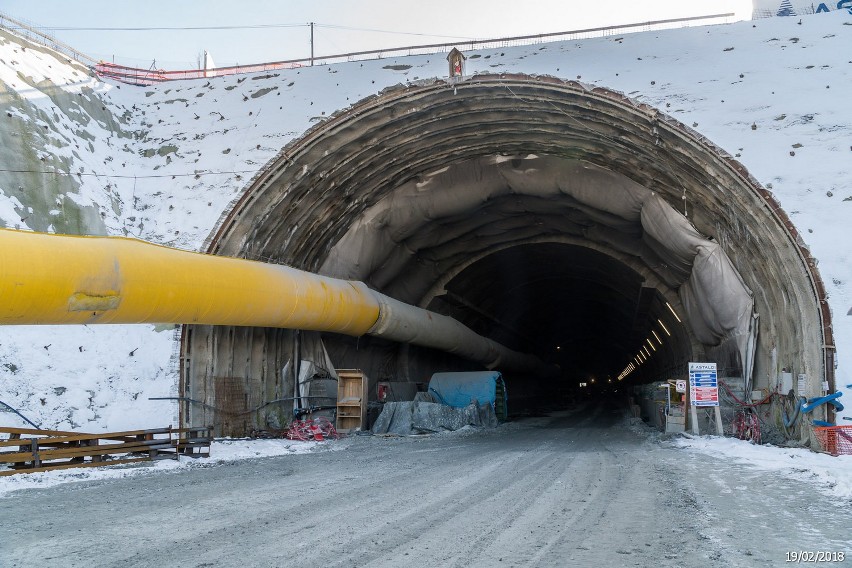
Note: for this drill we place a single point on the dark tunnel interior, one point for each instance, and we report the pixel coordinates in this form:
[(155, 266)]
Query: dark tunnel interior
[(573, 306)]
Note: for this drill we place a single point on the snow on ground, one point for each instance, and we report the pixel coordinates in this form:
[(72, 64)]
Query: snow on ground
[(221, 451), (830, 474), (167, 160)]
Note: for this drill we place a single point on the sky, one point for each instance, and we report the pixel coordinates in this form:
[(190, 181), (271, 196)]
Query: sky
[(270, 30)]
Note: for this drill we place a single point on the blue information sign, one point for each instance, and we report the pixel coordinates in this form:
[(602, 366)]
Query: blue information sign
[(703, 384)]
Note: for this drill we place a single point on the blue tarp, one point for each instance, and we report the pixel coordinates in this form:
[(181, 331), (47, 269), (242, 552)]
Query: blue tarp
[(459, 389)]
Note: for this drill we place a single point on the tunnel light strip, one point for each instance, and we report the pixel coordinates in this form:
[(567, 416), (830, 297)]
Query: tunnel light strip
[(629, 369), (671, 309), (644, 354)]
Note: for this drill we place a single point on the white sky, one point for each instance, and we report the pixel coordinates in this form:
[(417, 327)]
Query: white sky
[(436, 21)]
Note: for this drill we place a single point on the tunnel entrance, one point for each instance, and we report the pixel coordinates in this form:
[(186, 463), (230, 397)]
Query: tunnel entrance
[(557, 219)]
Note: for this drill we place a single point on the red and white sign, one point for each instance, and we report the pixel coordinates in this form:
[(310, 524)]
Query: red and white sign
[(704, 395)]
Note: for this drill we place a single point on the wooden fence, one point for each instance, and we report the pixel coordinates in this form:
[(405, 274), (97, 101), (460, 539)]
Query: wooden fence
[(29, 450)]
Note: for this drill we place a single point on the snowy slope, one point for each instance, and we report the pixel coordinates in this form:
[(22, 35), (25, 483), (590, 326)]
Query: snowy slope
[(771, 92)]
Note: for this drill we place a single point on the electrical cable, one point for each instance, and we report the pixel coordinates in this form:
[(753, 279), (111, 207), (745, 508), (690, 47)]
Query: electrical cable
[(231, 412), (164, 28), (299, 412), (240, 27), (334, 27), (125, 176), (27, 420)]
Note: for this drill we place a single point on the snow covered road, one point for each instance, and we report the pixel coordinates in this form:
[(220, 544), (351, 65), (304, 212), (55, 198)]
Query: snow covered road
[(579, 488)]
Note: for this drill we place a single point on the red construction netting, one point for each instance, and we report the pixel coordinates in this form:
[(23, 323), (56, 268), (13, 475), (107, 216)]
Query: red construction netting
[(318, 429), (145, 77), (746, 426), (836, 440)]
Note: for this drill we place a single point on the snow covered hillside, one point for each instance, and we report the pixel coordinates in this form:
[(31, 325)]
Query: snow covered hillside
[(163, 163)]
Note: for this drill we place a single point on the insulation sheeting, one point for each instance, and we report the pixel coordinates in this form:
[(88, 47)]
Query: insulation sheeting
[(409, 324), (409, 418), (471, 207)]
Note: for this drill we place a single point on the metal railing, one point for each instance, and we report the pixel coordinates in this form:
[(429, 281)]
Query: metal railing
[(34, 33), (140, 76)]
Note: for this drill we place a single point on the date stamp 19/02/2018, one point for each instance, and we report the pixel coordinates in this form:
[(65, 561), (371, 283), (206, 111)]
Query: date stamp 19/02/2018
[(814, 556)]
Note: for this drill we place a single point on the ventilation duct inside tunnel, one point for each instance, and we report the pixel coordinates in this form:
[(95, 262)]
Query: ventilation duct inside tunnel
[(556, 219)]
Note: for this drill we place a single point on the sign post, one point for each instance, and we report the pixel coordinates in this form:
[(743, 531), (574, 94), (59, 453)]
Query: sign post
[(704, 392)]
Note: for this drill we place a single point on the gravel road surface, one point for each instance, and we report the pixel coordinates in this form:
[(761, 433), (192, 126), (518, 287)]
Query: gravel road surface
[(577, 488)]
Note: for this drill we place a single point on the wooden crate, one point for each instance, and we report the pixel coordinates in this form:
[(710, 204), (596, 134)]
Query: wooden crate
[(351, 400)]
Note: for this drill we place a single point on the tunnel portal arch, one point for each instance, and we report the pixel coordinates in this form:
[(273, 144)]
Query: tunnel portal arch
[(347, 200)]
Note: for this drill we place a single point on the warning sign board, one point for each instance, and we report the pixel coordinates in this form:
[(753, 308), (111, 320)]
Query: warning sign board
[(703, 384)]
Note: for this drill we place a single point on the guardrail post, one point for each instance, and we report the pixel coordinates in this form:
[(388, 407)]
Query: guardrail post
[(34, 450)]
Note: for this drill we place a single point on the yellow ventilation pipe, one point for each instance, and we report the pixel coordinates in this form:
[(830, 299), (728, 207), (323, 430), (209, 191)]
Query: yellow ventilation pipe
[(60, 279), (53, 279)]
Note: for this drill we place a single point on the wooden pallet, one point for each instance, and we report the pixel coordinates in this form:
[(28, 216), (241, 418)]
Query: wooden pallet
[(28, 450)]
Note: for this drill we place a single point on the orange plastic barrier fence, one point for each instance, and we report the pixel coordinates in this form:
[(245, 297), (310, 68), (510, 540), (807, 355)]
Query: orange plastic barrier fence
[(145, 77), (836, 440)]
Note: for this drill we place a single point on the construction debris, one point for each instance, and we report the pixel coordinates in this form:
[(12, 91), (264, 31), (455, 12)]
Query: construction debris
[(316, 430)]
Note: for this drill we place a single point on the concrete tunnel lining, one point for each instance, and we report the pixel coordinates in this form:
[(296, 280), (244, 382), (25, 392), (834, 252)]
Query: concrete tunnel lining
[(312, 206)]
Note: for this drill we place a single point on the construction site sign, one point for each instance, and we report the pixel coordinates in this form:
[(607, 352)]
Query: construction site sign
[(703, 384)]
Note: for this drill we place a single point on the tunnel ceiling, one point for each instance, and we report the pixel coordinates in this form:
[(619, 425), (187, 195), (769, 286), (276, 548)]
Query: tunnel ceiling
[(530, 208)]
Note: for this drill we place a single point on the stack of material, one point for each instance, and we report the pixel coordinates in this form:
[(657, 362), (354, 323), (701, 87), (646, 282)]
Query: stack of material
[(29, 450), (460, 389), (422, 417)]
